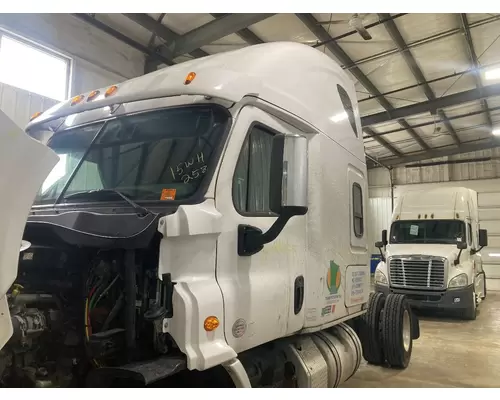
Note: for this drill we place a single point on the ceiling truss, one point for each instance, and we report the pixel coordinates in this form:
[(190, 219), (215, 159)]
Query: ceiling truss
[(175, 45)]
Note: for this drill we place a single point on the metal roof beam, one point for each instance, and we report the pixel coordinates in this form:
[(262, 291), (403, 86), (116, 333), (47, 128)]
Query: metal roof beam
[(164, 33), (394, 33), (471, 52), (459, 116), (210, 32), (423, 41), (445, 152), (432, 105), (246, 34), (121, 37), (440, 78), (383, 142), (201, 36), (310, 22)]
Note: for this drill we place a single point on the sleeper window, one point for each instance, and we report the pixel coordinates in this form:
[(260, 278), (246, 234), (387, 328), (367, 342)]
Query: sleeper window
[(348, 108), (469, 234), (252, 175), (357, 210)]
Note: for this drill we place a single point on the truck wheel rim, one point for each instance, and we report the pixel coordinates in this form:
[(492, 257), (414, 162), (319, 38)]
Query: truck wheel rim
[(406, 330)]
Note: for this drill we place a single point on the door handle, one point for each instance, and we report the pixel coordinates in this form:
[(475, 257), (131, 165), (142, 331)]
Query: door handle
[(298, 294)]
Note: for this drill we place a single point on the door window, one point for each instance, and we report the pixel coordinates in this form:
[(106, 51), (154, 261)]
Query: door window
[(252, 175)]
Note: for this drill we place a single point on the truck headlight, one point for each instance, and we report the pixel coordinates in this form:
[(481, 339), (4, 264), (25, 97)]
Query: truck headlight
[(380, 277), (458, 281)]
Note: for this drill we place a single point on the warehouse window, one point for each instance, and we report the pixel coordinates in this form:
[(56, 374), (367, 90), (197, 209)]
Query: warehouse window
[(349, 109), (253, 173), (357, 210), (33, 68)]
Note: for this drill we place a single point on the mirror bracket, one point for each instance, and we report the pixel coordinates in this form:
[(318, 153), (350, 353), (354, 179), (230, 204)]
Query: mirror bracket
[(474, 251), (461, 246), (379, 246), (251, 240)]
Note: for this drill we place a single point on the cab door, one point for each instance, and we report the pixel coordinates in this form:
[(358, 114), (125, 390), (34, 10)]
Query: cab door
[(263, 293)]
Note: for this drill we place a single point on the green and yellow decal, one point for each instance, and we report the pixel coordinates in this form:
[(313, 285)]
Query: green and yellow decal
[(333, 278)]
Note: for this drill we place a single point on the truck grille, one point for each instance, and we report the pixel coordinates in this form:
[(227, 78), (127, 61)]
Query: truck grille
[(417, 272)]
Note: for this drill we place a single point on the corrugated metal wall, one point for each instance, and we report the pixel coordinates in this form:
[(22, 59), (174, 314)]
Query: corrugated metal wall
[(20, 105), (451, 172), (379, 218)]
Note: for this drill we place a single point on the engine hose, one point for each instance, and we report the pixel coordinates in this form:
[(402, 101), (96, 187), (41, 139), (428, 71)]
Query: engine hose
[(101, 295), (113, 313), (30, 298)]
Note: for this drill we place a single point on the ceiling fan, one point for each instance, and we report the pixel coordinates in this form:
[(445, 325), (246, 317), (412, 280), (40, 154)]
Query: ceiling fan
[(355, 22)]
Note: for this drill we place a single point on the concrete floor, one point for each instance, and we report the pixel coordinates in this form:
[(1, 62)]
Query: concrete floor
[(449, 353)]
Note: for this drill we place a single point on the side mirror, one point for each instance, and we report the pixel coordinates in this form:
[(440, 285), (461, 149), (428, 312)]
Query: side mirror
[(384, 237), (461, 245), (288, 185), (382, 244), (483, 238)]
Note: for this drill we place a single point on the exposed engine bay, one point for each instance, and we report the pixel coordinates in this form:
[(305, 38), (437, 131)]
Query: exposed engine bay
[(79, 309)]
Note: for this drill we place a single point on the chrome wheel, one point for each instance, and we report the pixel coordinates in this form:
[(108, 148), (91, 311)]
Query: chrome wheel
[(406, 330)]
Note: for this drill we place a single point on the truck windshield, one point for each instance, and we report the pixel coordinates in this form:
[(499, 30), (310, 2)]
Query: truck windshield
[(428, 231), (157, 155)]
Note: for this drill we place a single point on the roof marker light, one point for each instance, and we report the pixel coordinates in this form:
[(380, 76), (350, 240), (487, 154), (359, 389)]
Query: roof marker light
[(110, 91), (77, 99), (93, 94), (189, 78), (35, 115)]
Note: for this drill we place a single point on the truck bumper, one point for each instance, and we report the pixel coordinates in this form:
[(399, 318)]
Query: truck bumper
[(451, 299)]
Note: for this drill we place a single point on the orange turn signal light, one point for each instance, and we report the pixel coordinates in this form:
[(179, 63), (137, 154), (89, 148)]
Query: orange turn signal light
[(93, 94), (35, 115), (77, 99), (111, 91), (189, 78), (211, 323)]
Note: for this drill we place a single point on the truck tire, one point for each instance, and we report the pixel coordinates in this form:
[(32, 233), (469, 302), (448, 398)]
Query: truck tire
[(397, 331), (368, 328)]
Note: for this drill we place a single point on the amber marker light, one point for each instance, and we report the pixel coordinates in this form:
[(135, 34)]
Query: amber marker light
[(211, 323), (189, 78)]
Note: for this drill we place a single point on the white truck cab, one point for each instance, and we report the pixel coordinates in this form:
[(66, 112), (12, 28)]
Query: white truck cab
[(204, 225), (432, 251)]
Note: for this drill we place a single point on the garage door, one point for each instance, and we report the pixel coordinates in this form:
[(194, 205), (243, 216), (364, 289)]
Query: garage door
[(489, 218)]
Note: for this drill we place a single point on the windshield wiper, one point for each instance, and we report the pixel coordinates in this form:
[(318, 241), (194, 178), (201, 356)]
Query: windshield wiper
[(141, 211)]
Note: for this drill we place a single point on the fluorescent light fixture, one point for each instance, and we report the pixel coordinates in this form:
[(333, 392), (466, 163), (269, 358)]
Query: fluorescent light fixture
[(492, 74), (496, 131), (494, 254), (339, 117)]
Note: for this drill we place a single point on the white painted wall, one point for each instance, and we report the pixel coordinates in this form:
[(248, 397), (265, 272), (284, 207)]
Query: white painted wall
[(98, 59)]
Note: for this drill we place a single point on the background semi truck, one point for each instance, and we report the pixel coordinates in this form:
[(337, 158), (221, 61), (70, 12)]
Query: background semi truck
[(204, 225), (432, 253)]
